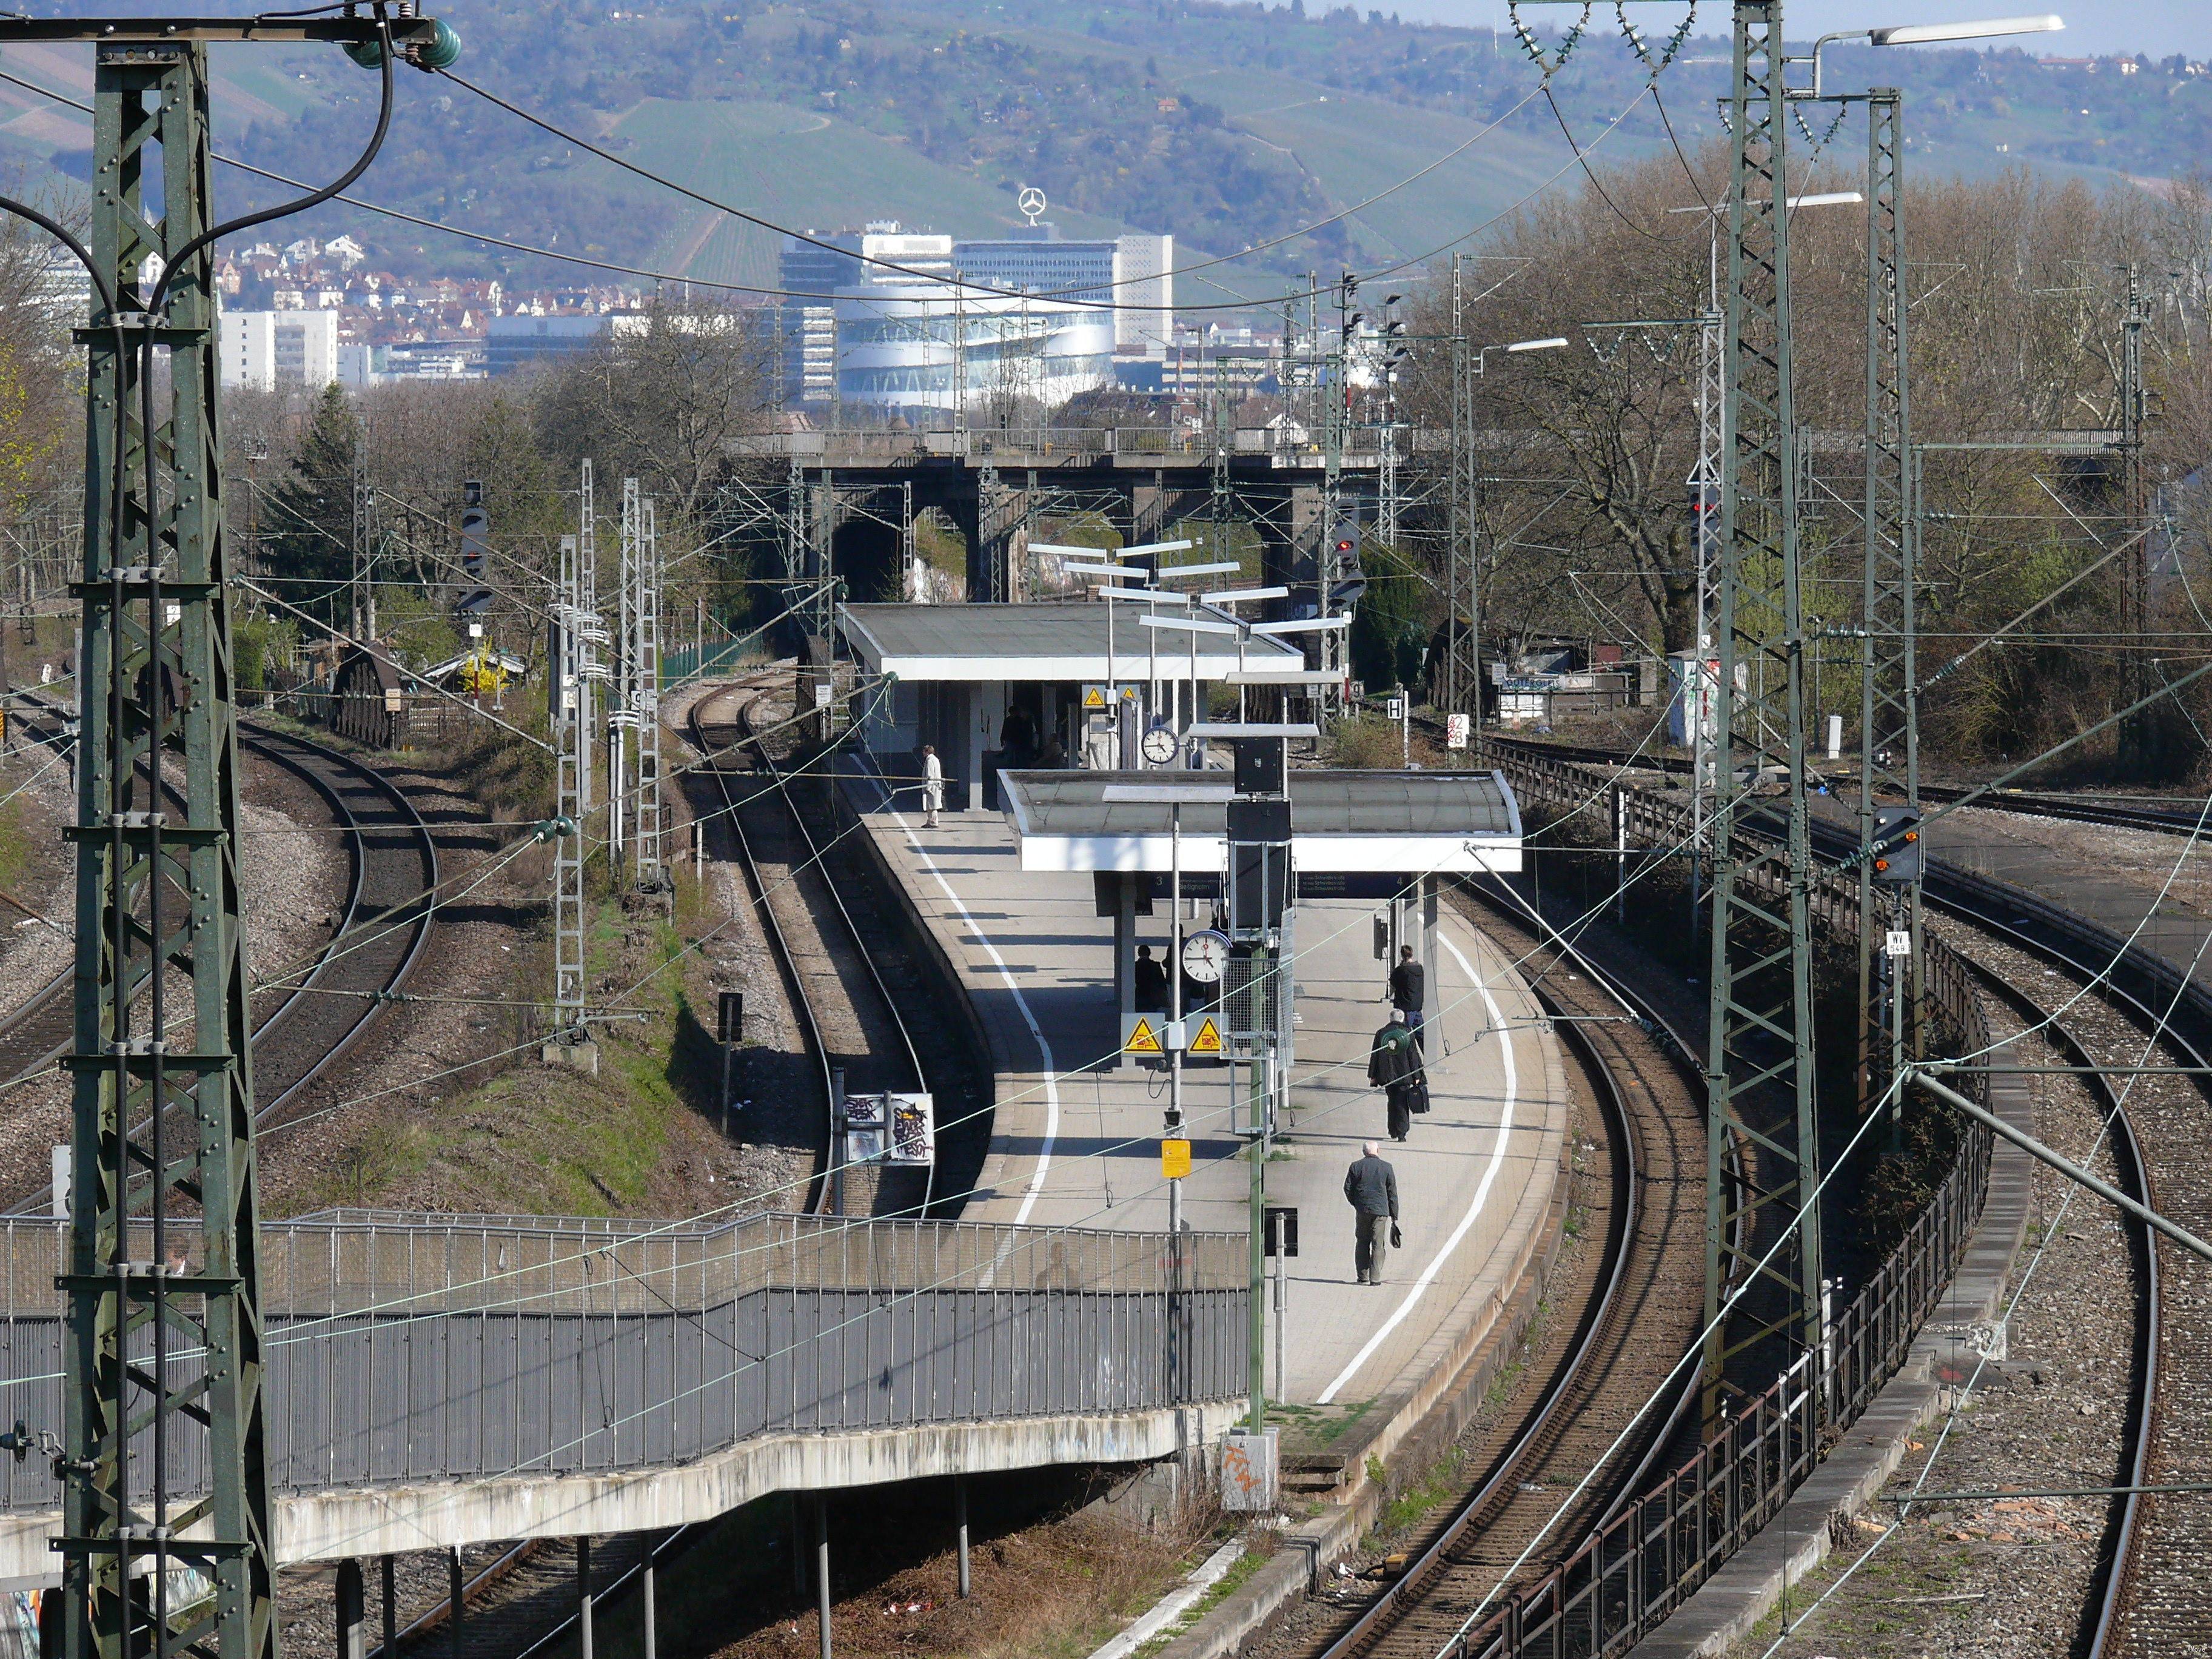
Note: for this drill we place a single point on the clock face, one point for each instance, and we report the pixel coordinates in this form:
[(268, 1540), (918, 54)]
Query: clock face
[(1159, 745), (1206, 956)]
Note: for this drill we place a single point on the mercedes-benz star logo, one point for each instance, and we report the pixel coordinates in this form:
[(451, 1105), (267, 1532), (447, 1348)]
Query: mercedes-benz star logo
[(1031, 202)]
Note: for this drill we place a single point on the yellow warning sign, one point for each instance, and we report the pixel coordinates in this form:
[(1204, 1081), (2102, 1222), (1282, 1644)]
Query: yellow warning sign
[(1208, 1039), (1174, 1159), (1143, 1037), (1094, 696)]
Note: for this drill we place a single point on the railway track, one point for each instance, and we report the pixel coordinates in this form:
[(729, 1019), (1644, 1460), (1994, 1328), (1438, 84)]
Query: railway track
[(2181, 817), (381, 936), (2156, 1598), (836, 965), (2093, 1031), (1644, 1303), (833, 962), (2137, 1009), (322, 1012)]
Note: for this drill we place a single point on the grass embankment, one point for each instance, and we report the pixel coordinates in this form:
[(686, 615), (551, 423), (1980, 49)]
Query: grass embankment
[(507, 1132), (537, 1140)]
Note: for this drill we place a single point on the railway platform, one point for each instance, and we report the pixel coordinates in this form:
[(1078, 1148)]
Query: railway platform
[(1075, 1138)]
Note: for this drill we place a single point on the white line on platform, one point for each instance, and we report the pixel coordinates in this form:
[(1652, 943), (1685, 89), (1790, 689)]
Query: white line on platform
[(1481, 1192), (1029, 1019)]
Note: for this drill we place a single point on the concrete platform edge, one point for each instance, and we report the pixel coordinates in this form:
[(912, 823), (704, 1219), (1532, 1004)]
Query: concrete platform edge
[(1732, 1602), (1428, 1417)]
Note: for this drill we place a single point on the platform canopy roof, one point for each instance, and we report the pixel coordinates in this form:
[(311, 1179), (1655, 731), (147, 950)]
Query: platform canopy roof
[(1065, 643), (1342, 823)]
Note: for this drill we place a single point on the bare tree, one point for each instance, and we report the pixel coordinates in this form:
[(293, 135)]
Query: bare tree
[(661, 400)]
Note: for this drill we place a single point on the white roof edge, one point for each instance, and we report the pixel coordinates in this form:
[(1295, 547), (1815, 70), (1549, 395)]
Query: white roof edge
[(850, 625), (1512, 803)]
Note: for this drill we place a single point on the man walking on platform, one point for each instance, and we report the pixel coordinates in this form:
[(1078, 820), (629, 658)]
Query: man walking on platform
[(1409, 989), (933, 785), (1394, 1066), (1370, 1187)]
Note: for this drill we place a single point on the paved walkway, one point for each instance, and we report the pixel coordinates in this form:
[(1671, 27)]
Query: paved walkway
[(1075, 1143)]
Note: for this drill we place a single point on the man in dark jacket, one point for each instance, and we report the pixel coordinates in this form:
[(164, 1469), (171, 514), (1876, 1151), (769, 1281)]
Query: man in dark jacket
[(1409, 989), (1370, 1187), (1394, 1066), (1151, 983)]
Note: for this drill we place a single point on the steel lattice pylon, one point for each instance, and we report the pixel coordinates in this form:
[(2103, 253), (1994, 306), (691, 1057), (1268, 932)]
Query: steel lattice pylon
[(1462, 674), (1889, 727), (166, 1350), (571, 723), (645, 673), (1759, 1071), (592, 633)]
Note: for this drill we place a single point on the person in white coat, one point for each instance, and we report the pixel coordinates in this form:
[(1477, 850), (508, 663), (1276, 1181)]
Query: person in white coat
[(933, 785)]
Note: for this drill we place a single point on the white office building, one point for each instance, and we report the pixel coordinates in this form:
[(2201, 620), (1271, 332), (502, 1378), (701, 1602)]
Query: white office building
[(1043, 346), (812, 274), (270, 348), (1130, 273), (917, 346)]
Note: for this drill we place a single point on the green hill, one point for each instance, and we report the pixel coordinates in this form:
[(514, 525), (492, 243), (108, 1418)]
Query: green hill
[(1236, 127)]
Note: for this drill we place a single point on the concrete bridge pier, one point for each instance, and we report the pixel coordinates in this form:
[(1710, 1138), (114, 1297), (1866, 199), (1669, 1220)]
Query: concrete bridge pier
[(584, 1631), (454, 1590), (822, 1570), (352, 1612)]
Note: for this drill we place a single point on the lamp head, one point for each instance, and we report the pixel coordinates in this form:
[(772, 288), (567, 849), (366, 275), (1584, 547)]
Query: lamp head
[(1921, 34)]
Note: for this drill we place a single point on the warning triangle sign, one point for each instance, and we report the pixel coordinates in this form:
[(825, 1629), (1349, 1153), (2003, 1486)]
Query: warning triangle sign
[(1094, 696), (1143, 1039), (1208, 1039)]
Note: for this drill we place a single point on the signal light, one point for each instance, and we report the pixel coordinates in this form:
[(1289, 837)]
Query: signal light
[(1902, 859), (476, 549)]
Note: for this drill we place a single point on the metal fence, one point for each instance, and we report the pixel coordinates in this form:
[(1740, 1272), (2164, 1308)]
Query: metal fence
[(1627, 1578), (686, 662), (406, 1351)]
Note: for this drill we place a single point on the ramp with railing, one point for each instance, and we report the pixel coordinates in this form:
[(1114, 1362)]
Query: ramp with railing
[(439, 1355)]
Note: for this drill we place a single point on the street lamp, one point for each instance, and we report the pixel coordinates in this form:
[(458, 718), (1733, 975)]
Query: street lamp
[(1923, 35), (1470, 368)]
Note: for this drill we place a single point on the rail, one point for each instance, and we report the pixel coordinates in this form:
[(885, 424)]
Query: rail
[(1634, 1570), (1505, 1475), (2133, 1171), (818, 1185), (813, 853), (469, 1348)]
